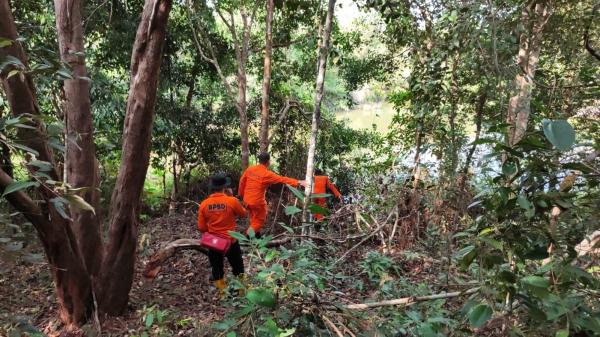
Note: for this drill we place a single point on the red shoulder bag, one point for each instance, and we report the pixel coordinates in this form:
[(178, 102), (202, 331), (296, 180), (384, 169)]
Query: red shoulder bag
[(215, 242)]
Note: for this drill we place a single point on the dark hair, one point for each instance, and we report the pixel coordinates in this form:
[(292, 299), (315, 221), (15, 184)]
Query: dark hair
[(264, 158), (318, 171)]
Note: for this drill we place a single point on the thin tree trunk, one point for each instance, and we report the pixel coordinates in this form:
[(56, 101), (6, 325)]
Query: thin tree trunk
[(190, 93), (80, 162), (533, 17), (478, 120), (264, 120), (71, 280), (316, 118), (242, 107), (118, 264), (417, 160)]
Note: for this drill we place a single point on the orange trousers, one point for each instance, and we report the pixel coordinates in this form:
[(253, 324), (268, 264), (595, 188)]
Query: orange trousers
[(258, 216)]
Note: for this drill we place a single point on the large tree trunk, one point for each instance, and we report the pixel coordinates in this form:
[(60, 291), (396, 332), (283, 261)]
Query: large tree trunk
[(264, 115), (533, 17), (118, 265), (71, 280), (81, 166), (316, 118)]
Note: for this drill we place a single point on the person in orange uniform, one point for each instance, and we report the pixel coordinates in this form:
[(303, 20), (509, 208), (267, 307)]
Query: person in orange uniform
[(217, 215), (320, 185), (253, 186)]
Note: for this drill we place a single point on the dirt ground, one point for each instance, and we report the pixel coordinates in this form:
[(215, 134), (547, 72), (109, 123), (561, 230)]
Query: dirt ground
[(182, 288)]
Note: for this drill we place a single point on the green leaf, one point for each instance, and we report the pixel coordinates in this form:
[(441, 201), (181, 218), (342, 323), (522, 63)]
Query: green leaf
[(479, 315), (19, 185), (79, 203), (318, 209), (287, 332), (149, 320), (287, 228), (560, 133), (5, 42), (238, 236), (59, 203), (296, 192), (536, 281), (320, 195), (26, 149), (291, 210), (562, 333), (509, 169), (262, 297), (231, 334)]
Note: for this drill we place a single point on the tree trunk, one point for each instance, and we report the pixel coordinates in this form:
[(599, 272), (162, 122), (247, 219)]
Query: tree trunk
[(316, 118), (264, 120), (478, 120), (81, 168), (417, 169), (242, 107), (71, 280), (118, 264), (533, 17), (20, 91)]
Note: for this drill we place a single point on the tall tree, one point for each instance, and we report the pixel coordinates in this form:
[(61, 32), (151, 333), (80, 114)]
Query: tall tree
[(81, 166), (264, 120), (534, 17), (72, 264), (240, 37), (316, 117), (118, 264)]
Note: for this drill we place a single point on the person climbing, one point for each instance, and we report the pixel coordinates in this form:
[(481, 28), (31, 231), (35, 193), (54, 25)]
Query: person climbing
[(253, 186), (320, 185), (217, 215)]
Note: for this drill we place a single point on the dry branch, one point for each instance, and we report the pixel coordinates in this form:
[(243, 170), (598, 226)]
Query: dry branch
[(169, 250), (406, 301)]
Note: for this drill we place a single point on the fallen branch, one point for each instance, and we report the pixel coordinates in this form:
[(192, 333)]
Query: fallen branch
[(406, 301), (170, 249)]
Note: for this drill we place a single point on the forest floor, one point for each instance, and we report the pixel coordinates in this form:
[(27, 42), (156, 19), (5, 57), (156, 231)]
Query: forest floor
[(182, 288), (182, 291)]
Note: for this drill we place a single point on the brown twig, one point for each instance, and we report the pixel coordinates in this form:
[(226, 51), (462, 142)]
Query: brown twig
[(406, 301)]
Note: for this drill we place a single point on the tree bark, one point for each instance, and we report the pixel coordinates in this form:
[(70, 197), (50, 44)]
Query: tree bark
[(118, 264), (478, 120), (20, 91), (533, 17), (80, 163), (264, 120), (316, 118), (71, 280)]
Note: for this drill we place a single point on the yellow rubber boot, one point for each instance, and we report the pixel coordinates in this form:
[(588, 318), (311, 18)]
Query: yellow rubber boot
[(221, 285), (244, 280)]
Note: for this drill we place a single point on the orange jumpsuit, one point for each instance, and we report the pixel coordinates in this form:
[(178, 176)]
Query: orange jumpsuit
[(253, 186), (320, 186), (217, 214)]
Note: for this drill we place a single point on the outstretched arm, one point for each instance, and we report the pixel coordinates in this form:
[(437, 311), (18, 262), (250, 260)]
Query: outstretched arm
[(238, 209), (273, 178)]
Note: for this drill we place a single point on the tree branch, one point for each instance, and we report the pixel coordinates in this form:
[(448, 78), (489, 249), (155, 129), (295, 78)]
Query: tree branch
[(159, 258), (586, 34), (406, 301)]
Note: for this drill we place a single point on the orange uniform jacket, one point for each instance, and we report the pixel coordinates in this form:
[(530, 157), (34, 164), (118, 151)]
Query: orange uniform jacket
[(254, 183), (322, 183), (217, 214)]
